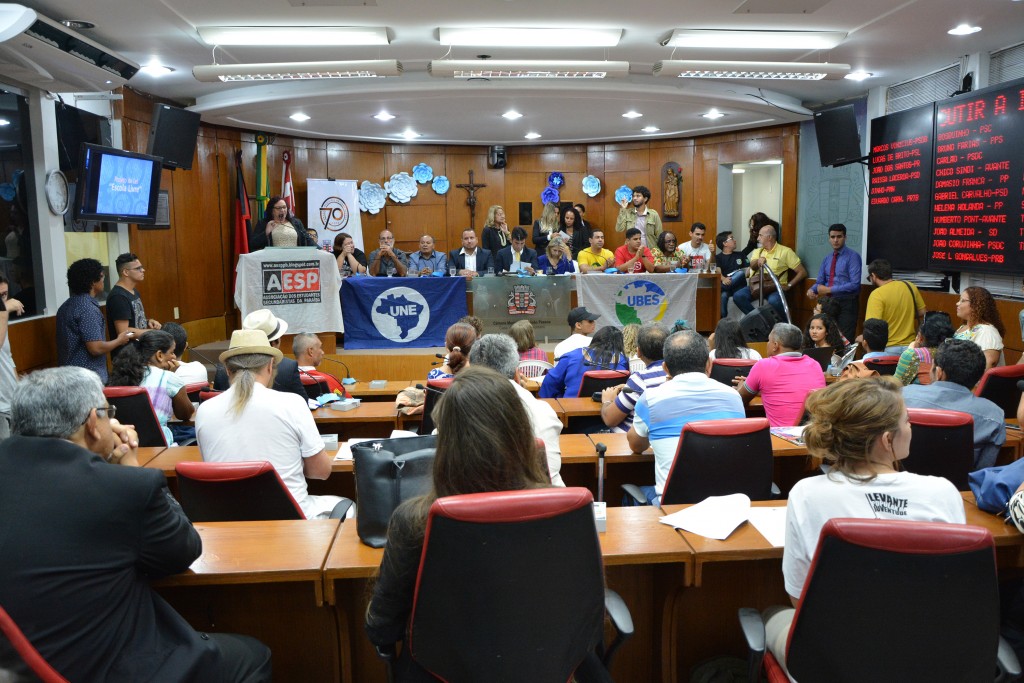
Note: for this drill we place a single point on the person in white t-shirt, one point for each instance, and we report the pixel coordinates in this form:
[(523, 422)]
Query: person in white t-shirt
[(860, 428), (697, 251), (251, 421), (581, 324)]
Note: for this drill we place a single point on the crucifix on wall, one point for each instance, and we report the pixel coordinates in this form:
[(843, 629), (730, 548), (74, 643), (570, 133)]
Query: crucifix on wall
[(471, 187)]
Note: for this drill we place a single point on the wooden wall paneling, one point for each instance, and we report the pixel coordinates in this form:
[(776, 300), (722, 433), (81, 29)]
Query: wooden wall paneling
[(705, 187), (790, 175), (457, 209), (204, 331), (410, 221), (33, 343), (405, 161), (353, 162)]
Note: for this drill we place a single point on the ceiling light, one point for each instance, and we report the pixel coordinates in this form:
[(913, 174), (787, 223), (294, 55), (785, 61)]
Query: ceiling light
[(650, 129), (766, 162), (504, 36), (526, 68), (296, 71), (299, 116), (755, 40), (156, 69), (738, 171), (410, 134), (511, 115), (713, 114), (4, 122), (383, 116), (782, 71), (532, 136), (290, 36), (858, 75), (963, 30), (632, 114)]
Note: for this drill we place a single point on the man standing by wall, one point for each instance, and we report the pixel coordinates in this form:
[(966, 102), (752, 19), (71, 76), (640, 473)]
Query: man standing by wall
[(124, 305), (898, 303), (839, 278), (80, 337), (638, 215)]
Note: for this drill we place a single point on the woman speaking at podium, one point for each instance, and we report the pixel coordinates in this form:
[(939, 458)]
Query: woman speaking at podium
[(279, 228)]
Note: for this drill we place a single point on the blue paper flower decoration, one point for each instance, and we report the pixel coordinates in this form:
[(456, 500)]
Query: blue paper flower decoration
[(624, 192), (422, 173), (371, 197), (556, 180), (401, 188), (591, 186), (441, 184), (550, 194)]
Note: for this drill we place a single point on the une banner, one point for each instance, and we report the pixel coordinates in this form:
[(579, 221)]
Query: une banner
[(400, 312)]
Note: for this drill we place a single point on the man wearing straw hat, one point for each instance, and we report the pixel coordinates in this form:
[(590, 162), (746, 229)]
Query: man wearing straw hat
[(287, 376)]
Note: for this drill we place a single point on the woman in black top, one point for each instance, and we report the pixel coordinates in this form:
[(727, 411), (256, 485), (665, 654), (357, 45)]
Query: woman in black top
[(278, 216), (545, 227), (496, 233), (572, 225), (757, 221), (350, 259)]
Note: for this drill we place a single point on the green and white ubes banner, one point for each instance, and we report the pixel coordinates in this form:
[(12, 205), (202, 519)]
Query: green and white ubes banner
[(639, 298)]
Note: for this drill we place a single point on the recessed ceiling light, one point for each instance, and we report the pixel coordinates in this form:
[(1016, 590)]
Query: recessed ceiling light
[(713, 114), (504, 36), (632, 114), (858, 75), (299, 116), (650, 129), (282, 36), (410, 134), (156, 69), (532, 136), (4, 122), (963, 30), (738, 171), (512, 115), (755, 40), (383, 116)]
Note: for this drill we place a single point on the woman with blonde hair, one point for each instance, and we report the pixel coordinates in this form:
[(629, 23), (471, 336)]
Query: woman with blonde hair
[(545, 227), (496, 232)]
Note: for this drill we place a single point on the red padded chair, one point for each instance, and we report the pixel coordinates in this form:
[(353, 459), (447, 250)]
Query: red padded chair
[(134, 408), (941, 444), (207, 395), (434, 389), (318, 383), (999, 385), (28, 653), (599, 380), (883, 365), (194, 389), (234, 492), (724, 370), (912, 602), (511, 588)]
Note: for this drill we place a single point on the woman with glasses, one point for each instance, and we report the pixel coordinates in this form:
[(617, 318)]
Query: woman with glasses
[(279, 228)]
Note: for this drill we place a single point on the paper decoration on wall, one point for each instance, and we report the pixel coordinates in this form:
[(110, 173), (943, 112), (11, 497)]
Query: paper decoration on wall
[(441, 184), (422, 173), (401, 188), (371, 197), (591, 186)]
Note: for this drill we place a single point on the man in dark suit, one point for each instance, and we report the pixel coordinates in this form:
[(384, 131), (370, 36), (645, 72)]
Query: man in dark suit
[(517, 256), (85, 531), (471, 260), (287, 371)]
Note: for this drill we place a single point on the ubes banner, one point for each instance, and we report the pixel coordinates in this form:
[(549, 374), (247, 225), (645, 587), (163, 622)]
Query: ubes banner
[(642, 298), (393, 313)]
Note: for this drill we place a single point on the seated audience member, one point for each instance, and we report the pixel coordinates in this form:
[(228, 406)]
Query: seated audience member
[(350, 260), (581, 328), (286, 377), (630, 335), (604, 353), (471, 260), (934, 330), (595, 259), (873, 338), (189, 373), (860, 429), (474, 322), (832, 308), (427, 261), (250, 421), (484, 443), (148, 362), (81, 339), (618, 403), (633, 257), (556, 259), (279, 228), (823, 333), (688, 395), (957, 366), (522, 333), (982, 324), (516, 257), (727, 341), (459, 341), (784, 378), (78, 585), (498, 352), (698, 254), (781, 260), (730, 261), (308, 349), (667, 254), (387, 259)]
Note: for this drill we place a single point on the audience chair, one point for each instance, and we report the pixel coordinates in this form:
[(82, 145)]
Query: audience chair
[(532, 369), (28, 653), (511, 588), (599, 380), (134, 408), (883, 365), (238, 492), (194, 389), (319, 383), (434, 389), (724, 370), (914, 602), (941, 444), (820, 354), (999, 385), (207, 395)]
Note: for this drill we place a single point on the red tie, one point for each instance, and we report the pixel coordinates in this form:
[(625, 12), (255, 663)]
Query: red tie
[(832, 270)]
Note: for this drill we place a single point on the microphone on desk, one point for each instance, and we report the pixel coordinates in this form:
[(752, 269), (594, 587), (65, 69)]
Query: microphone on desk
[(348, 374), (322, 387), (440, 355), (427, 387), (601, 450)]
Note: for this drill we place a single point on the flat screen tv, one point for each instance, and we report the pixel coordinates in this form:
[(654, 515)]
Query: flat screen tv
[(115, 185), (838, 139)]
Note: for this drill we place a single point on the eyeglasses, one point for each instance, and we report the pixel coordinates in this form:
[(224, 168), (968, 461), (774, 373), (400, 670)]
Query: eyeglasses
[(137, 268), (282, 207), (387, 239), (111, 411)]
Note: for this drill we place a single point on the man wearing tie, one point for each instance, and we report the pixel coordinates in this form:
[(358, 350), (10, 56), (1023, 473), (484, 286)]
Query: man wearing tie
[(839, 278), (517, 256)]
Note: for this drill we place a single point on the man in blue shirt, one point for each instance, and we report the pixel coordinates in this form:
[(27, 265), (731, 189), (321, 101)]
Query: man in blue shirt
[(839, 278), (81, 338), (426, 260)]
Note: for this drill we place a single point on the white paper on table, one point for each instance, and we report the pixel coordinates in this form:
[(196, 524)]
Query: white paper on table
[(771, 523), (401, 434), (345, 450), (714, 517)]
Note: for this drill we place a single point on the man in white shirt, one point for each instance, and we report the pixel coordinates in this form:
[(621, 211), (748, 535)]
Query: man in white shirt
[(471, 260), (251, 421), (498, 352), (581, 325), (697, 249)]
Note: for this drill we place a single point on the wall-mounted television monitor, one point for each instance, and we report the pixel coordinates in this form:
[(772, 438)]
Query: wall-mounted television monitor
[(838, 139), (115, 185)]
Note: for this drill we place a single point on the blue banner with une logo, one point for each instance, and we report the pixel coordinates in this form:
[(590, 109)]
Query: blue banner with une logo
[(400, 312)]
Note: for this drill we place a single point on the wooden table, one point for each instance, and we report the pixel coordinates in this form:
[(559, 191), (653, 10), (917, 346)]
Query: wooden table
[(369, 419), (391, 389), (146, 453)]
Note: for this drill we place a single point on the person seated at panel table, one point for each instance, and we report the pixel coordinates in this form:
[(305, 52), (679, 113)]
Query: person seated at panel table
[(459, 341), (667, 254), (730, 261), (595, 258), (784, 378), (386, 260), (427, 261), (873, 338), (935, 329), (556, 259), (516, 257), (727, 341), (619, 402), (251, 421), (982, 323), (860, 428), (823, 333), (698, 254), (279, 228), (471, 260), (632, 257), (604, 353), (350, 260), (526, 343)]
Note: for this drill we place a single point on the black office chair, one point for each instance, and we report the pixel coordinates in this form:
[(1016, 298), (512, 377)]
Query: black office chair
[(598, 380), (724, 370), (941, 444), (433, 391), (999, 385), (134, 408)]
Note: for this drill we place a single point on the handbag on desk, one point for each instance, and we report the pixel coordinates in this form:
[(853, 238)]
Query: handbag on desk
[(388, 472)]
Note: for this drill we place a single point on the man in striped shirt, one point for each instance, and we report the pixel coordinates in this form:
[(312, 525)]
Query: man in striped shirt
[(618, 403)]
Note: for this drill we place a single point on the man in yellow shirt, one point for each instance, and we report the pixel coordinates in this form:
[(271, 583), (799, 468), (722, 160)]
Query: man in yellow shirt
[(596, 258), (781, 259), (899, 303)]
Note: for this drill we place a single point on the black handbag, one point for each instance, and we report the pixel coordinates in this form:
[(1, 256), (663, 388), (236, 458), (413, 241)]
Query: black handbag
[(388, 472)]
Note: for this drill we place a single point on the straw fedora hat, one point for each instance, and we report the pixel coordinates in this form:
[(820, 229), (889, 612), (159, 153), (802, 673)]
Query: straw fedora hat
[(265, 320), (250, 341)]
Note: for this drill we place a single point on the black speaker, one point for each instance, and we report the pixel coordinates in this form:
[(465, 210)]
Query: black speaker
[(496, 157), (759, 322), (173, 135), (525, 213)]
